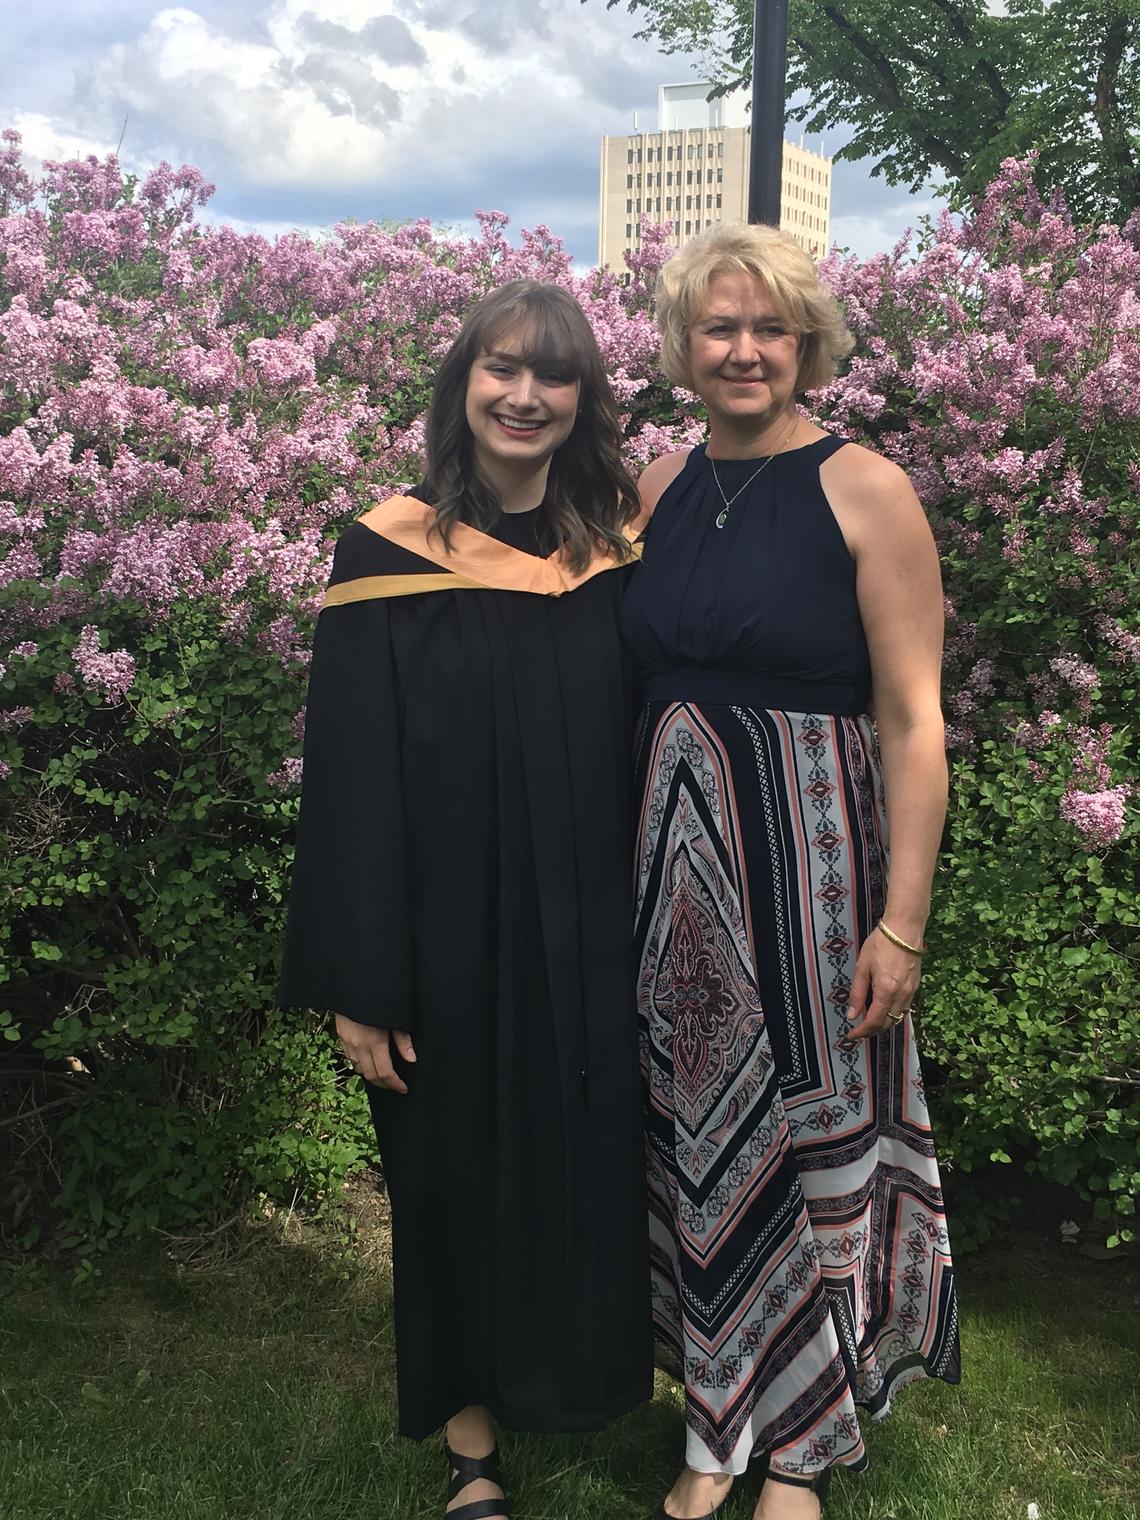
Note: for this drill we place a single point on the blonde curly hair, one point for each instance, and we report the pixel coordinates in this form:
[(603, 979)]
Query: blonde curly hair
[(787, 272)]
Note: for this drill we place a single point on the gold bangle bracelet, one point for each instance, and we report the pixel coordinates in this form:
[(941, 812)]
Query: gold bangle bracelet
[(901, 943)]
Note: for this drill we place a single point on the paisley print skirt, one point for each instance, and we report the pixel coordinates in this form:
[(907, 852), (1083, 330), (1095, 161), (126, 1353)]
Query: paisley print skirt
[(799, 1252)]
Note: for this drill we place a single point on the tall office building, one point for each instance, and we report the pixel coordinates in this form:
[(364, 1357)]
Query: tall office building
[(693, 172)]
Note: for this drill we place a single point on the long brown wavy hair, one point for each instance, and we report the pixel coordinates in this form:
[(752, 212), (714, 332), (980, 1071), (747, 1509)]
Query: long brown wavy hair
[(590, 495)]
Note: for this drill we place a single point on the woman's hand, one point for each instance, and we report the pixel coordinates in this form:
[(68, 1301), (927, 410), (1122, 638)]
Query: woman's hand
[(886, 980), (369, 1051)]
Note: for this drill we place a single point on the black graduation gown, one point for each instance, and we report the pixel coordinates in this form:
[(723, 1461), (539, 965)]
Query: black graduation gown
[(462, 871)]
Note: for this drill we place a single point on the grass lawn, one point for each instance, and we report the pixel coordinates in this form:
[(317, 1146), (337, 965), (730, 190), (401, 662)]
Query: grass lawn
[(258, 1382)]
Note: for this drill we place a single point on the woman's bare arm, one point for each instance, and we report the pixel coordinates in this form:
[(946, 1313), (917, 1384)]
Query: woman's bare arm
[(900, 600)]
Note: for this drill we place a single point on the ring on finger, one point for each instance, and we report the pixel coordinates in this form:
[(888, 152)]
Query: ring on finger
[(897, 1018)]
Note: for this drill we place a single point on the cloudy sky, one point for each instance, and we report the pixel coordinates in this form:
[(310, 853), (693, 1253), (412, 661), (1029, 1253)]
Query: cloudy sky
[(304, 112)]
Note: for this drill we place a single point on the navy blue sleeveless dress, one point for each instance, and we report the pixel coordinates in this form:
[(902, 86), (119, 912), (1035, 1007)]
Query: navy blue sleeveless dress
[(799, 1250)]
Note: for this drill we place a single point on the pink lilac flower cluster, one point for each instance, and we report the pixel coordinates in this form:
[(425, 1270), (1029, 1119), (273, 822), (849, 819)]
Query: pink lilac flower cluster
[(189, 415), (109, 672), (288, 777), (1125, 645), (1080, 676), (1099, 816)]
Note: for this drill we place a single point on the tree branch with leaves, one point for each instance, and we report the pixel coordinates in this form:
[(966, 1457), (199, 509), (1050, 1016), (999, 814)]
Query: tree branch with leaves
[(946, 87)]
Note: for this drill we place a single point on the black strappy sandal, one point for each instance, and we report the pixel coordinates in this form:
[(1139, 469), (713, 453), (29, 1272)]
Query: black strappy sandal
[(819, 1484), (462, 1472)]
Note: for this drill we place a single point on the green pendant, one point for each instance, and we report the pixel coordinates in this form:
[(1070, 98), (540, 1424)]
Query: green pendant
[(721, 518)]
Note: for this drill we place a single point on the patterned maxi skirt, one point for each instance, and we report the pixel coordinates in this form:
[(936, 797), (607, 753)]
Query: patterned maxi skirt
[(799, 1252)]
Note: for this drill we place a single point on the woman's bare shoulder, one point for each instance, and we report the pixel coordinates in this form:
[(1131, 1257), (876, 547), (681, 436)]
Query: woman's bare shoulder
[(657, 477), (862, 469), (875, 505)]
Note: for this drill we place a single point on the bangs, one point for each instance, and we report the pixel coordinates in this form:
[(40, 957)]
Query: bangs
[(786, 300), (545, 328)]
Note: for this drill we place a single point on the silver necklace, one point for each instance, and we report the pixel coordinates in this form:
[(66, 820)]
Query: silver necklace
[(722, 515)]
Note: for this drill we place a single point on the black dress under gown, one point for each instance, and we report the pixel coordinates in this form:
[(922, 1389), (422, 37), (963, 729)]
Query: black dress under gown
[(462, 872)]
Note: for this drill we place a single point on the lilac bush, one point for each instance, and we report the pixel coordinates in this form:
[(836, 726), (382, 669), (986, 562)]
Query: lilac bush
[(999, 363), (188, 416)]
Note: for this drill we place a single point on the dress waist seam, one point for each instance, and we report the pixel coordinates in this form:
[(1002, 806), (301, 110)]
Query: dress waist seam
[(735, 688)]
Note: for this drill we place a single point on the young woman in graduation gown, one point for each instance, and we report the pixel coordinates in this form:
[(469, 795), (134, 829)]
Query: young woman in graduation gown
[(461, 893)]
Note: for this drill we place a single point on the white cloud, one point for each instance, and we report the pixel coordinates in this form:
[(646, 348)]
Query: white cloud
[(53, 137), (878, 227), (387, 37), (336, 95), (268, 228), (188, 81)]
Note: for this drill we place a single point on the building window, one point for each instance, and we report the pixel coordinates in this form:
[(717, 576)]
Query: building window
[(689, 176), (720, 176), (708, 202), (629, 155), (689, 152), (688, 203), (710, 152), (719, 202), (669, 153), (688, 228), (628, 207), (629, 182), (720, 150), (628, 231)]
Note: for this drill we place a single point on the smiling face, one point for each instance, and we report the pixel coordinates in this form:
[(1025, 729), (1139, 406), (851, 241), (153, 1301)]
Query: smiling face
[(743, 355), (518, 412)]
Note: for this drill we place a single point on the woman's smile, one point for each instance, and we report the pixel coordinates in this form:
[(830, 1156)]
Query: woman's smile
[(518, 425)]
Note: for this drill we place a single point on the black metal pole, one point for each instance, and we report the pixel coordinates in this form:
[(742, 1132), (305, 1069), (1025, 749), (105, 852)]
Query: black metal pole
[(769, 88)]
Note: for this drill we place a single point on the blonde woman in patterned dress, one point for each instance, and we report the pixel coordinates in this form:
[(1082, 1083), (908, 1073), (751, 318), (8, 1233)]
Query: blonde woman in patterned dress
[(800, 1259)]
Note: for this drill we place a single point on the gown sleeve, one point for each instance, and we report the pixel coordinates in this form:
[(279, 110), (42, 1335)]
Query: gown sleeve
[(348, 945)]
